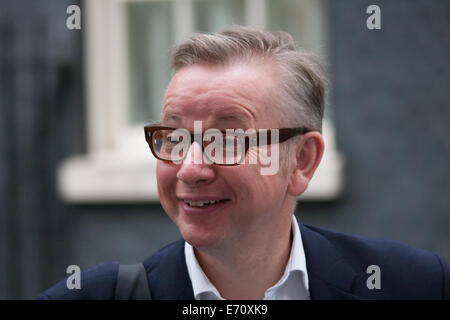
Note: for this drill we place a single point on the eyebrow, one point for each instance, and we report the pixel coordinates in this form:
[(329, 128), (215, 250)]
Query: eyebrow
[(170, 116), (233, 116)]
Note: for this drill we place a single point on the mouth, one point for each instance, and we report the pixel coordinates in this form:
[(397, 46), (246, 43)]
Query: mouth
[(203, 203)]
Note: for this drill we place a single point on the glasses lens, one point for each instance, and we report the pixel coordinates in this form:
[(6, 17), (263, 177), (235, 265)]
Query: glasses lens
[(171, 144), (223, 148)]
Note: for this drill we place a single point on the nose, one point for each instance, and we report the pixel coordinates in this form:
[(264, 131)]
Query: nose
[(194, 170)]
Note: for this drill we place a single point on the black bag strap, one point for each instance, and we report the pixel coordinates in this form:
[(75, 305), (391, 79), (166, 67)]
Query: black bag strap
[(132, 283)]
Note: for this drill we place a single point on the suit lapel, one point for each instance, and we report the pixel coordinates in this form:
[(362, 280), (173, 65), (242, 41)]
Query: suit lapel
[(330, 276), (170, 280)]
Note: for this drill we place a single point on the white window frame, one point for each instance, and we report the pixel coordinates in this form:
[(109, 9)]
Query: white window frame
[(118, 166)]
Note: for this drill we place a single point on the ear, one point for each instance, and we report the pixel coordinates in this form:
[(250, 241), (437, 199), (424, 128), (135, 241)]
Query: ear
[(308, 153)]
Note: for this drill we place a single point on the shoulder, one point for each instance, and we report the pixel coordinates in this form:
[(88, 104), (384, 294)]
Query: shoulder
[(360, 246), (96, 283), (403, 268), (167, 259), (167, 273), (99, 282), (174, 250)]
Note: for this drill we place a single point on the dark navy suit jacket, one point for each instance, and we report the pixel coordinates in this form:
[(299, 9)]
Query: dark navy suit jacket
[(336, 263)]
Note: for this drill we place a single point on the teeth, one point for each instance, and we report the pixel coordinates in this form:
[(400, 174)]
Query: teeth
[(200, 203)]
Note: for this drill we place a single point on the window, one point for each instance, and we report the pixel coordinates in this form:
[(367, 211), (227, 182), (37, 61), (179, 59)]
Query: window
[(127, 45)]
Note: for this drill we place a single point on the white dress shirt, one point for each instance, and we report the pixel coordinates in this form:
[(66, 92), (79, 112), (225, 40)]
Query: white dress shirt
[(293, 285)]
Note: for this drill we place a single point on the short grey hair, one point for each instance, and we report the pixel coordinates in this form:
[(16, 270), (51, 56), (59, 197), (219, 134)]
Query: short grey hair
[(303, 82)]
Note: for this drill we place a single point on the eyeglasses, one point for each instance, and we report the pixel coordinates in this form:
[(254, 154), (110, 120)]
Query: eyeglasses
[(227, 148)]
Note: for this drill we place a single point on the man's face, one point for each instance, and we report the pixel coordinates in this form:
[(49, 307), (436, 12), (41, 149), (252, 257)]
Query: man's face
[(233, 97)]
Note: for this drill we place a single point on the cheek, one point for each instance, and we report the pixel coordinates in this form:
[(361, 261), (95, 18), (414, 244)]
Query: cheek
[(166, 179), (261, 188), (249, 183)]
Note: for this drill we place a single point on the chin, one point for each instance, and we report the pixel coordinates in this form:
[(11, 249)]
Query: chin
[(199, 238)]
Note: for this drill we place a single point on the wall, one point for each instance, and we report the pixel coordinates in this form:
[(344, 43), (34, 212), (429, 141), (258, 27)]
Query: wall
[(391, 104)]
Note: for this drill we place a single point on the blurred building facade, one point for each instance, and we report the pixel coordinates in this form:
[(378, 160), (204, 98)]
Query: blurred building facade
[(389, 105)]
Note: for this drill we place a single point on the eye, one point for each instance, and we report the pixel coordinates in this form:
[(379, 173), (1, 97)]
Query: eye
[(231, 142), (174, 138)]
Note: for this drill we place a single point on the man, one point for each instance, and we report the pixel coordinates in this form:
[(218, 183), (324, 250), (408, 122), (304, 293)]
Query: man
[(241, 101)]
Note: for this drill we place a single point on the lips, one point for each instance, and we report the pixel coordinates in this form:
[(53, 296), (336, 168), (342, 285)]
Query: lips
[(202, 203)]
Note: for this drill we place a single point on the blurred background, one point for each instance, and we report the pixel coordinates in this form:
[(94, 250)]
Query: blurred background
[(77, 182)]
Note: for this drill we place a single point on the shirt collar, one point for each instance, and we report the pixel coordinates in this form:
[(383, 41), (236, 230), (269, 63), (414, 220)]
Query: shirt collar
[(298, 253), (202, 286), (200, 282), (297, 260)]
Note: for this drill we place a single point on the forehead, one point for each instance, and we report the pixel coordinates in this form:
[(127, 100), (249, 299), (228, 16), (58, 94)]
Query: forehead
[(240, 92)]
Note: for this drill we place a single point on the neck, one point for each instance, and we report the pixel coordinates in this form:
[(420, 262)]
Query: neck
[(246, 268)]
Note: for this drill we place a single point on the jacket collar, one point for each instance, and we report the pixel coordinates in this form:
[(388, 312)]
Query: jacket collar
[(330, 276), (169, 279)]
